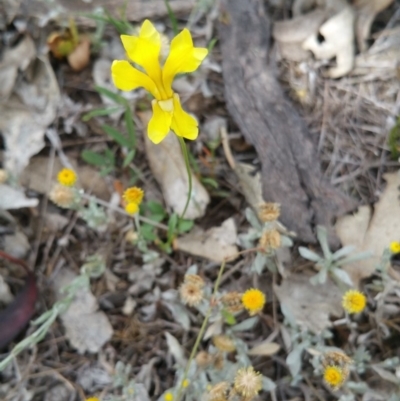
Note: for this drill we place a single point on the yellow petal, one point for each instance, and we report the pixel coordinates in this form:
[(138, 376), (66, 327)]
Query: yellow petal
[(183, 58), (127, 78), (144, 50), (183, 124), (159, 124)]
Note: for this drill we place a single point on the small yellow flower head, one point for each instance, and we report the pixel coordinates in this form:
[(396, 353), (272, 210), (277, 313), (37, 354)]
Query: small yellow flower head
[(3, 176), (67, 177), (248, 382), (333, 376), (232, 302), (253, 300), (224, 343), (218, 392), (131, 208), (133, 195), (144, 50), (168, 396), (354, 301), (395, 247), (92, 399), (62, 196), (269, 211), (270, 240), (185, 383), (190, 293)]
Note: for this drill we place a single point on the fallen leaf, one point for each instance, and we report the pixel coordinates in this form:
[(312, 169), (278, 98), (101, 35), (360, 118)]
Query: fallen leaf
[(338, 34), (265, 348), (366, 11), (217, 243), (5, 293), (372, 232), (250, 184), (310, 305), (168, 167), (14, 198), (16, 244), (27, 113), (80, 57), (86, 328)]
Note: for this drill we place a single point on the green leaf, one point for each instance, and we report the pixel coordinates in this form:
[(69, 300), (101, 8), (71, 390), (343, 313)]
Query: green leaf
[(116, 135), (112, 95), (172, 18), (185, 225), (104, 111), (130, 127), (128, 158), (211, 44), (155, 208), (93, 158), (172, 223), (228, 317), (147, 231), (210, 181)]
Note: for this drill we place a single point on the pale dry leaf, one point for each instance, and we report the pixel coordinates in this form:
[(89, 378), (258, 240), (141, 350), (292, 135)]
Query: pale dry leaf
[(290, 34), (17, 244), (250, 184), (366, 11), (86, 328), (265, 348), (168, 167), (80, 57), (5, 293), (372, 232), (310, 305), (28, 112), (216, 243), (14, 198), (338, 34)]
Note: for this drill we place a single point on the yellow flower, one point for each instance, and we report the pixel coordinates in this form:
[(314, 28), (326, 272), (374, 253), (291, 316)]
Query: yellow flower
[(144, 50), (333, 376), (185, 383), (168, 396), (92, 399), (395, 247), (253, 300), (248, 382), (354, 301), (133, 195), (67, 177), (132, 208)]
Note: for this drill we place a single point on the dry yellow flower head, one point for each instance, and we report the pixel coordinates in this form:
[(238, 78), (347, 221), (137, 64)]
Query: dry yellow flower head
[(248, 382), (218, 362), (3, 176), (191, 294), (232, 302), (133, 195), (269, 211), (336, 358), (253, 300), (333, 376), (224, 343), (354, 301), (131, 208), (62, 196), (218, 392), (270, 240), (195, 280), (203, 359), (131, 236), (395, 247), (67, 177)]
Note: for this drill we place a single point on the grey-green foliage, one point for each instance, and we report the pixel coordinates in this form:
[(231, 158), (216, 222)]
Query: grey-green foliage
[(93, 268), (331, 262)]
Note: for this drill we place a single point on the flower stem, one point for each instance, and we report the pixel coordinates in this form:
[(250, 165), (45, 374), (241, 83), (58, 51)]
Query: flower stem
[(202, 330), (189, 172)]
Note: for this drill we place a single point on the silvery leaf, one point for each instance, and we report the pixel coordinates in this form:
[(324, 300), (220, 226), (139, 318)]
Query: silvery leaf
[(322, 236), (268, 384), (310, 255), (293, 360), (253, 219), (343, 276), (175, 349), (343, 252), (179, 313), (246, 324), (259, 263)]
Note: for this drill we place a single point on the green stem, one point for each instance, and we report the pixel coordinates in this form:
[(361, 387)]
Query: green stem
[(189, 172), (202, 330)]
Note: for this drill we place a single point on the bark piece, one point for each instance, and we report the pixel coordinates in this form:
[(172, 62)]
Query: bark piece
[(291, 173)]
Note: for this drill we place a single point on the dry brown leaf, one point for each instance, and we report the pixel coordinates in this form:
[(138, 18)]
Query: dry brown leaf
[(372, 233), (168, 167), (367, 10), (265, 348), (310, 305), (338, 33), (28, 112), (80, 57), (216, 244), (86, 328)]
